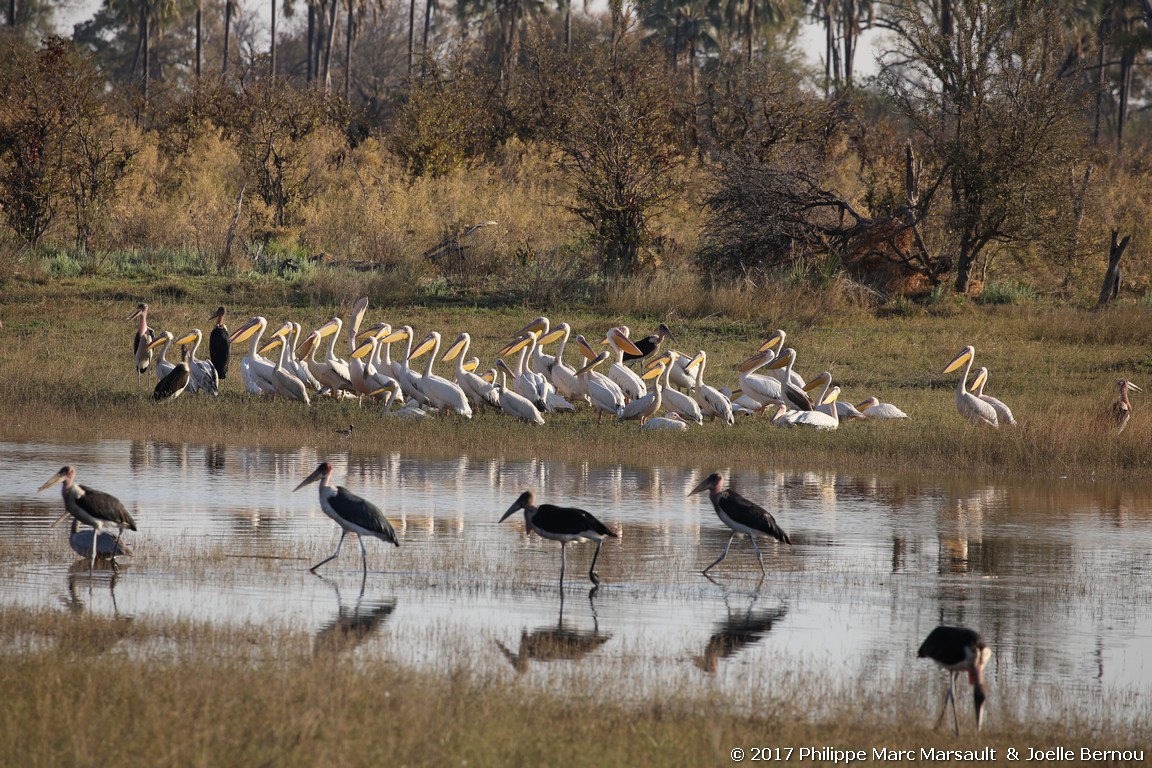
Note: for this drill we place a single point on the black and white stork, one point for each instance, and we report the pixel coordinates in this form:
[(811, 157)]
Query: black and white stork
[(649, 344), (352, 513), (141, 343), (219, 348), (562, 524), (958, 649), (741, 515), (91, 507)]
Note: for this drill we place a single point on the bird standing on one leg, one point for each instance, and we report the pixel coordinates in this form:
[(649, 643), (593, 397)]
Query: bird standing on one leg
[(351, 513), (957, 650), (741, 515), (562, 524)]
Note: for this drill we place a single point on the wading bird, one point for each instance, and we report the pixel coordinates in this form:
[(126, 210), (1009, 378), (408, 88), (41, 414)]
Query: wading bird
[(741, 515), (219, 347), (108, 547), (1122, 409), (970, 407), (141, 343), (352, 513), (957, 650), (91, 507), (562, 524), (1003, 412)]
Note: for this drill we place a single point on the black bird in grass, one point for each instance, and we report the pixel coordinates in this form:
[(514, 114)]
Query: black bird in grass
[(352, 513), (649, 344), (91, 507), (141, 343), (219, 348), (345, 432), (958, 649), (562, 524), (176, 381), (741, 515)]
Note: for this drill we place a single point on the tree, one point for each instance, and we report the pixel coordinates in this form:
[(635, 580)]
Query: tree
[(998, 123)]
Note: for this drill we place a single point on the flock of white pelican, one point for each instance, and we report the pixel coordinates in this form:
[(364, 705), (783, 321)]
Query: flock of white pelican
[(630, 380)]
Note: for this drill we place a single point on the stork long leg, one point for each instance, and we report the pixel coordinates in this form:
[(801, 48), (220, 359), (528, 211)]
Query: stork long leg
[(95, 533), (563, 549), (592, 570), (759, 555), (363, 553), (948, 697), (952, 695), (334, 555), (723, 554)]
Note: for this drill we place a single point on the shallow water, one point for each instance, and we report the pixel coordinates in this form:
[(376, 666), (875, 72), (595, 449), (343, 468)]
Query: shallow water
[(1057, 576)]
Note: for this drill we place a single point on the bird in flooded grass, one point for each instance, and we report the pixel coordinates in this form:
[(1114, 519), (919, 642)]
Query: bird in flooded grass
[(562, 524), (108, 547), (1003, 412), (957, 650), (92, 507), (741, 515), (352, 513), (1121, 408), (970, 407)]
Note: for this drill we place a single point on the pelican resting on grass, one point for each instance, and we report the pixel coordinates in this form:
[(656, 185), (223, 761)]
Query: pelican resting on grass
[(1003, 412), (970, 407), (91, 507), (352, 513)]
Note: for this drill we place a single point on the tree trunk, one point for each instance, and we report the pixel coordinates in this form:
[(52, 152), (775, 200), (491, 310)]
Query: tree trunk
[(1111, 288), (411, 33), (11, 13), (272, 45), (199, 35), (348, 52), (328, 45), (311, 44), (227, 32), (145, 46), (567, 27), (428, 5), (964, 266), (748, 32), (1127, 60)]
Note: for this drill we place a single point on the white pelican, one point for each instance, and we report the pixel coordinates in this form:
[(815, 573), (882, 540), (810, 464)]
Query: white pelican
[(970, 407), (90, 506), (564, 377), (373, 377), (712, 403), (442, 394), (675, 401), (527, 382), (539, 362), (872, 408), (332, 372), (783, 375), (606, 397), (411, 410), (628, 380), (401, 371), (163, 367), (514, 404), (141, 343), (645, 407), (671, 421), (1122, 409), (204, 376), (479, 391), (356, 366), (823, 419), (843, 410), (297, 365), (767, 390), (1003, 412), (256, 370), (287, 384), (680, 376)]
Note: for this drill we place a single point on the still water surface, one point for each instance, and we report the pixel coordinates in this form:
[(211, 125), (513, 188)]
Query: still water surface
[(1056, 575)]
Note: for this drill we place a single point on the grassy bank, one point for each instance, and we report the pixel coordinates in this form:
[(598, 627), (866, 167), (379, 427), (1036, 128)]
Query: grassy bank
[(66, 373), (142, 692)]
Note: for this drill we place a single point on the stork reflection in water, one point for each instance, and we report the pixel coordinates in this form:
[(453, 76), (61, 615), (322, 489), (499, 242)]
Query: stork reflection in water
[(556, 643), (737, 631), (352, 626)]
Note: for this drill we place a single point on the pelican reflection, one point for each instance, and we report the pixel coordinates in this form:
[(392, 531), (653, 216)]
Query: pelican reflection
[(556, 643), (737, 631), (352, 626)]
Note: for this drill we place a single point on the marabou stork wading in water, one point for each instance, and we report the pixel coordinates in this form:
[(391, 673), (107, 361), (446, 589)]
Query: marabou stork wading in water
[(219, 348), (957, 650), (91, 507), (562, 524), (108, 547), (352, 513), (741, 515)]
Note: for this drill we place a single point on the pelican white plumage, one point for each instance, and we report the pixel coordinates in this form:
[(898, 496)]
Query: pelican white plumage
[(1003, 412), (513, 403), (401, 370), (203, 376), (872, 408), (441, 393), (255, 370), (712, 402), (783, 375), (367, 352), (163, 367), (675, 401), (410, 410), (822, 420), (527, 383), (643, 408), (671, 421), (356, 366), (970, 407), (564, 377), (338, 378), (767, 390), (843, 410), (606, 397), (538, 361), (680, 376), (479, 391), (631, 383), (287, 384), (297, 365)]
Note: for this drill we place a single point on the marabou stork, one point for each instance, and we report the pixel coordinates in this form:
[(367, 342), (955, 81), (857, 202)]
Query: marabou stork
[(141, 343), (1122, 409), (91, 507), (741, 515), (219, 347), (958, 649), (649, 344), (351, 513), (562, 524)]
